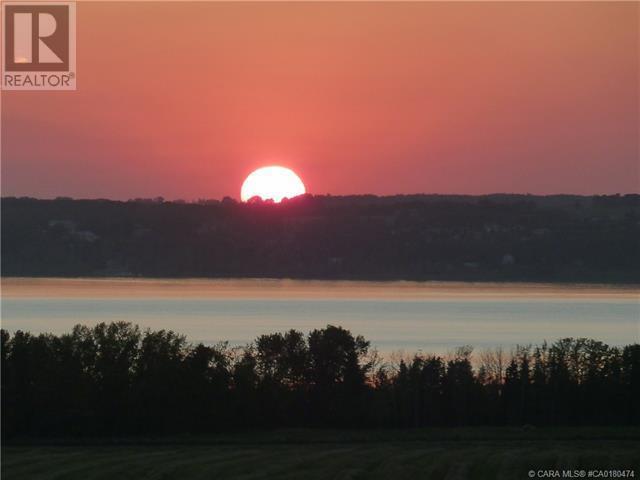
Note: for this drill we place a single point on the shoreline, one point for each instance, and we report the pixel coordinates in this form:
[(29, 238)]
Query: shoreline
[(292, 289)]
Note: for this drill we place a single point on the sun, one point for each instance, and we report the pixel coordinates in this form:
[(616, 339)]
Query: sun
[(272, 183)]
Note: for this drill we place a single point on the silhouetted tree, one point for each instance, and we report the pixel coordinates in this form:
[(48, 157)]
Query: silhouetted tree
[(207, 378), (631, 383), (337, 374), (459, 385), (113, 379)]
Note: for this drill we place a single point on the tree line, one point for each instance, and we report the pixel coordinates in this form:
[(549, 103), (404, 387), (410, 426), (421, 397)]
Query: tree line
[(447, 237), (116, 379)]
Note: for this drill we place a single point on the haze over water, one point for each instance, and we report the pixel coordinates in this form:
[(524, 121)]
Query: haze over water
[(431, 316)]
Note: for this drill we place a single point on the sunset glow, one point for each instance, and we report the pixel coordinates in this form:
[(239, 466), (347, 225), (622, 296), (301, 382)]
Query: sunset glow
[(272, 183), (367, 97)]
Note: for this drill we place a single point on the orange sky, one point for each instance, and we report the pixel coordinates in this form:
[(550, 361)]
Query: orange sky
[(184, 100)]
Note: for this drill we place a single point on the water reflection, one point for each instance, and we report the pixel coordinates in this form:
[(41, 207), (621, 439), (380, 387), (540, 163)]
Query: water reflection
[(411, 316)]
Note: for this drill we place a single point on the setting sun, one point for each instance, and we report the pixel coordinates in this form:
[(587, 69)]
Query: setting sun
[(272, 183)]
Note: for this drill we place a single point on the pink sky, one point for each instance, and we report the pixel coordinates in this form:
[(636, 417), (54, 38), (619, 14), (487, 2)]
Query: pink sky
[(185, 100)]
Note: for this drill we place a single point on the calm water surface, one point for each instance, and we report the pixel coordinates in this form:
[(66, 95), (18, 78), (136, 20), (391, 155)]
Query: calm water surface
[(409, 316)]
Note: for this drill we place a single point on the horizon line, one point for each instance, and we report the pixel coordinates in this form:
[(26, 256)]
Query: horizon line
[(161, 199)]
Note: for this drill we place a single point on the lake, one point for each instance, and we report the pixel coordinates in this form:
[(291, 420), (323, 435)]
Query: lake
[(407, 316)]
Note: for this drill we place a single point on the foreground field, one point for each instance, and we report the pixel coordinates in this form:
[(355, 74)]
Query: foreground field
[(421, 454)]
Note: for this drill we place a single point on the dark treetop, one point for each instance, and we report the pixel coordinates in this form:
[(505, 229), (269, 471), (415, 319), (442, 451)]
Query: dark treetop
[(114, 379)]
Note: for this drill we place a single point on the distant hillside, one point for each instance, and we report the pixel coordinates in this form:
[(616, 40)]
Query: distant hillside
[(454, 237)]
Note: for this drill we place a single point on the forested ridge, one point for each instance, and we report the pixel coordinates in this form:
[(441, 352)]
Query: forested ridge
[(116, 379), (420, 237)]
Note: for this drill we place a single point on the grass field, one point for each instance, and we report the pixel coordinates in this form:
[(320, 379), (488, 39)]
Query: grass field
[(414, 454)]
